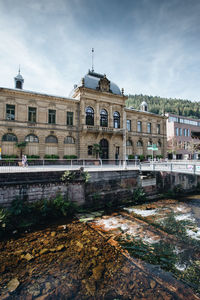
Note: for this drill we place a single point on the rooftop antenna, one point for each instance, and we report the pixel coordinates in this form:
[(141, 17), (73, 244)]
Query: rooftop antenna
[(92, 59)]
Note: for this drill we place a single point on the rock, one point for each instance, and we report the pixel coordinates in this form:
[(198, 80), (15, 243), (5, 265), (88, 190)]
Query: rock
[(94, 248), (60, 248), (28, 256), (47, 286), (80, 246), (53, 250), (18, 252), (43, 251), (126, 270), (2, 268), (13, 285), (152, 284), (97, 272), (5, 297), (34, 289), (91, 287), (113, 242), (46, 242), (85, 232), (53, 233), (43, 297)]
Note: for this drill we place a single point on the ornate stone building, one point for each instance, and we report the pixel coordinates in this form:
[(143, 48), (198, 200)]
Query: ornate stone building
[(95, 113)]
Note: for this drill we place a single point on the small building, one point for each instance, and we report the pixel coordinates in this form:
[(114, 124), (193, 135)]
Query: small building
[(94, 113), (181, 140)]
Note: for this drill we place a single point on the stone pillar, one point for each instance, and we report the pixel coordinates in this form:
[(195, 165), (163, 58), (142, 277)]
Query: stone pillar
[(76, 192)]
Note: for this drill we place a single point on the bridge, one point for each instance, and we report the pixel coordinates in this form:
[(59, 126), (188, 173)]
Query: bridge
[(185, 167)]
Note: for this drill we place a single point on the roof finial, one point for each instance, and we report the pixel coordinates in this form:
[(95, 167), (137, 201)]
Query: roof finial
[(92, 59), (19, 69)]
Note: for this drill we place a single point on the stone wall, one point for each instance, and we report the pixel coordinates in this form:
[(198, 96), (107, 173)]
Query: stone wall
[(108, 188), (167, 181), (103, 187)]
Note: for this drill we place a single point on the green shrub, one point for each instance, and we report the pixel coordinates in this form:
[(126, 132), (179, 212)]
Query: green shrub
[(69, 156), (139, 196), (63, 207), (131, 156), (76, 175), (141, 157), (9, 156), (4, 220), (175, 192), (22, 214), (51, 156)]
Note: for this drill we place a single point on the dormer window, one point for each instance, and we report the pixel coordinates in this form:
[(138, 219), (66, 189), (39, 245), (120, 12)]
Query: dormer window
[(18, 85)]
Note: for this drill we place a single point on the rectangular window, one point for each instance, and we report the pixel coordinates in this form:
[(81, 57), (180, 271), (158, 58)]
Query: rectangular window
[(177, 131), (148, 127), (139, 126), (52, 116), (158, 128), (188, 132), (32, 114), (185, 132), (128, 125), (70, 118), (10, 112), (180, 131), (89, 150)]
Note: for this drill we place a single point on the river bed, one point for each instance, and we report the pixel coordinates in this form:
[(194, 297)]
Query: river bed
[(148, 251)]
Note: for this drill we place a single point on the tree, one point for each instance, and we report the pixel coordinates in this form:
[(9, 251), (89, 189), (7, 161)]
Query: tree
[(194, 147), (21, 147), (172, 146), (96, 150)]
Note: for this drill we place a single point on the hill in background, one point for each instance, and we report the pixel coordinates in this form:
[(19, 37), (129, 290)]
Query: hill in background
[(157, 105)]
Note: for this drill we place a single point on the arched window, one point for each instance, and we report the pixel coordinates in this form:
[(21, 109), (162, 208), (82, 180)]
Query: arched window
[(104, 118), (149, 143), (31, 138), (9, 137), (69, 140), (139, 143), (89, 116), (129, 143), (159, 144), (51, 139), (116, 119)]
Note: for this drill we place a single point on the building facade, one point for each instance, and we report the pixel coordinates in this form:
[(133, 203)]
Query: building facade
[(180, 132), (95, 113)]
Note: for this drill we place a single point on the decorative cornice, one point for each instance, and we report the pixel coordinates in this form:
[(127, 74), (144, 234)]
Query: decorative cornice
[(23, 93)]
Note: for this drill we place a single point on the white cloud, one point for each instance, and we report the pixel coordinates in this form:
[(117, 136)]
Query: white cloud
[(149, 53)]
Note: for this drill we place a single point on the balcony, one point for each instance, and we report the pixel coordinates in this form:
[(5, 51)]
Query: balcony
[(90, 128), (99, 129)]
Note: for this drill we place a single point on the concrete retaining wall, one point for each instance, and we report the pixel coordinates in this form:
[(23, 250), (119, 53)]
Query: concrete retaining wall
[(104, 188)]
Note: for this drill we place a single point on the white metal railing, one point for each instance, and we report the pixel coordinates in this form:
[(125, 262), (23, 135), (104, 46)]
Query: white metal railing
[(34, 165)]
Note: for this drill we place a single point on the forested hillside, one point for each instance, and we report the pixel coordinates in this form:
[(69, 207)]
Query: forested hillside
[(158, 105)]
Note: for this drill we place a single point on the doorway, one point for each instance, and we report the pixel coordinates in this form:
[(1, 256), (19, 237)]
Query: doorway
[(104, 149)]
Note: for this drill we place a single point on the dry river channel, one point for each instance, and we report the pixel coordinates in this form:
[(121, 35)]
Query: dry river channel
[(148, 251)]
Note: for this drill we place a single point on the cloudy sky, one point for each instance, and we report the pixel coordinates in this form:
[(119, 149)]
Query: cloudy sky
[(145, 46)]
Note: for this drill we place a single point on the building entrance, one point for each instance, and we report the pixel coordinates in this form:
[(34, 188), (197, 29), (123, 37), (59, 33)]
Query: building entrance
[(104, 149)]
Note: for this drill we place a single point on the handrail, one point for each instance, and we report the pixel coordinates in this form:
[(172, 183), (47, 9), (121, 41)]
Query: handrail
[(189, 167)]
